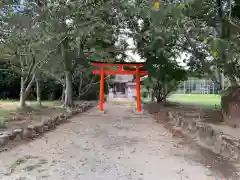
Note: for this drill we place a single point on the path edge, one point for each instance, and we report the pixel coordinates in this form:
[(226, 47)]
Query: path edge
[(35, 130), (218, 142)]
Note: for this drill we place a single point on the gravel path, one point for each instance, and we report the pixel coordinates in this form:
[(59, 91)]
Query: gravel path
[(118, 145)]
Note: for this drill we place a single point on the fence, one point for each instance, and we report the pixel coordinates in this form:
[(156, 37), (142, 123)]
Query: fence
[(198, 86)]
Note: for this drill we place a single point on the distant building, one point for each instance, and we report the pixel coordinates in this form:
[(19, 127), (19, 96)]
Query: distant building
[(124, 86)]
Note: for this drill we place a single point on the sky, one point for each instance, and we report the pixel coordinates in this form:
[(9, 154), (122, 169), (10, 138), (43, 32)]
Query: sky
[(136, 57), (132, 56)]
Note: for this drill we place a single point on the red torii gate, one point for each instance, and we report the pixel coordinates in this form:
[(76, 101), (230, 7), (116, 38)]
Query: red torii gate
[(101, 71)]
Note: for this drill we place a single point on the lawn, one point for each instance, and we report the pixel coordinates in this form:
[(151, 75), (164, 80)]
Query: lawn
[(13, 117), (203, 100), (8, 106)]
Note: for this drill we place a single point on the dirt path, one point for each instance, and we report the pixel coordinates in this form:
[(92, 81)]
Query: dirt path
[(118, 145)]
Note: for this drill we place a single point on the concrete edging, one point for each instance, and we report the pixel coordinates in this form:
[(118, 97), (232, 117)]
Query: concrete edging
[(220, 143), (37, 129)]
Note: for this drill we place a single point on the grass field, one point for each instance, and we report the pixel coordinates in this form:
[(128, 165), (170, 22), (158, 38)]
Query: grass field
[(7, 106), (203, 100)]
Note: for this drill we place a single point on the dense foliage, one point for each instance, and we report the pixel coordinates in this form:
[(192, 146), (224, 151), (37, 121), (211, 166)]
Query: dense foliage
[(47, 45)]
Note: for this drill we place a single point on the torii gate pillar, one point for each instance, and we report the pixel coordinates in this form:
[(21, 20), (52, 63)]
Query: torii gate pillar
[(101, 94), (138, 94)]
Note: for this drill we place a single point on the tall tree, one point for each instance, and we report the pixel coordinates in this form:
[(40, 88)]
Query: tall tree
[(83, 30)]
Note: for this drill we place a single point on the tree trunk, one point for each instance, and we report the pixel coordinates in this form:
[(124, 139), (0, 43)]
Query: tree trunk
[(22, 94), (80, 87), (158, 95), (152, 95), (68, 102), (63, 93), (24, 91), (51, 96), (159, 99), (164, 100), (38, 89), (233, 81)]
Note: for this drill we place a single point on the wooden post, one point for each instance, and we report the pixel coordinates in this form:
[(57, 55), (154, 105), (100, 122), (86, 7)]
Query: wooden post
[(101, 94), (138, 89)]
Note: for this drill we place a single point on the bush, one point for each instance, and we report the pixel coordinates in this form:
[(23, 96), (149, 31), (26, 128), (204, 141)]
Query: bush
[(144, 94)]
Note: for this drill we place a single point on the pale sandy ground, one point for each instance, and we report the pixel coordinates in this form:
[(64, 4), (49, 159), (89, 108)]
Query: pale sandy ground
[(118, 145)]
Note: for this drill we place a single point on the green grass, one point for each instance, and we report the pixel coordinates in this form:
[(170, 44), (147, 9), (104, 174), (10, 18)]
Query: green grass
[(7, 106), (202, 100)]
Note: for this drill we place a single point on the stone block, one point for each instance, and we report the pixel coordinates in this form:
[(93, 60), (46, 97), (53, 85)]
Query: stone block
[(4, 139), (226, 151), (236, 152), (179, 121), (19, 133), (185, 125), (79, 110), (74, 112), (217, 145), (170, 115), (45, 128), (191, 126), (63, 118), (200, 132), (62, 115), (70, 114), (194, 126), (57, 120), (29, 132), (11, 134), (210, 136), (39, 128), (45, 121), (51, 123)]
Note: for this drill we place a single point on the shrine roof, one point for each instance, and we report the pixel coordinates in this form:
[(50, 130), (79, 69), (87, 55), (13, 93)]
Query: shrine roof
[(123, 78), (126, 79)]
